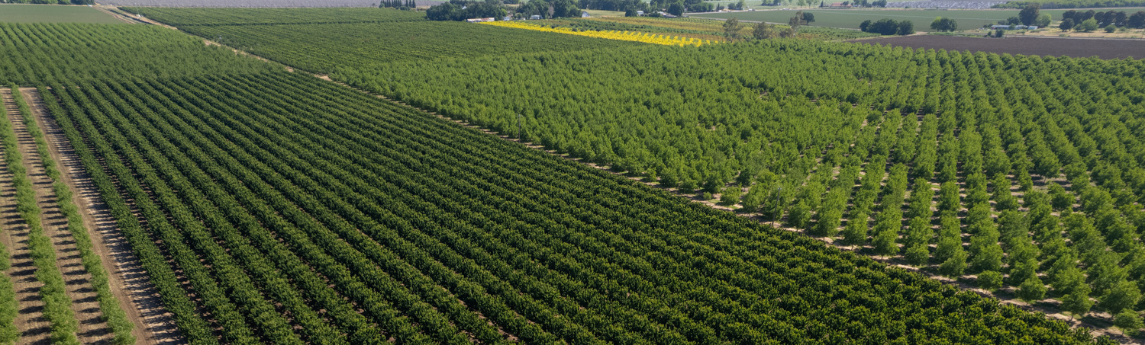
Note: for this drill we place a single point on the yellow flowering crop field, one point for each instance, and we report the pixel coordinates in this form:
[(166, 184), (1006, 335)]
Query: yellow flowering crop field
[(632, 36)]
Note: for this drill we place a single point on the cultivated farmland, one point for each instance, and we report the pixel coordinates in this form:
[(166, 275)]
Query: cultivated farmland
[(461, 183), (13, 13), (886, 151)]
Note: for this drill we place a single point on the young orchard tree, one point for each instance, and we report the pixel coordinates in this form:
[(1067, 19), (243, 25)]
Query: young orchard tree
[(855, 234), (1077, 302), (955, 265), (1123, 296), (990, 280), (1032, 290)]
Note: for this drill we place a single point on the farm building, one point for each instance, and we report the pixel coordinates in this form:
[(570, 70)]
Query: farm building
[(480, 20)]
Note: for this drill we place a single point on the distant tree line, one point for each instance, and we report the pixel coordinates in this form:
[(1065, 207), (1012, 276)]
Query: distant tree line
[(461, 10), (887, 26), (1092, 20), (399, 4), (944, 24)]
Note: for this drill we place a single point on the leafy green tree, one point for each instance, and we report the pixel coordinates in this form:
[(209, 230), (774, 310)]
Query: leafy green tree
[(917, 254), (906, 27), (955, 265), (1022, 270), (1032, 290), (1066, 24), (732, 29), (944, 24), (950, 199), (884, 242), (1122, 296), (990, 280), (731, 195), (1129, 322), (763, 31), (1003, 199), (1077, 302), (799, 215), (1137, 20), (1029, 15), (1089, 25), (856, 231), (1065, 280), (1061, 199)]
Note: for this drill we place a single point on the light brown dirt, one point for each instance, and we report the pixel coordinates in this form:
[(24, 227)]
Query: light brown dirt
[(127, 279)]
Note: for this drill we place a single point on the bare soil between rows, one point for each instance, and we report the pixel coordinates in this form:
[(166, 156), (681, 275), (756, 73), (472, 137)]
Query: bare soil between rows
[(1041, 46)]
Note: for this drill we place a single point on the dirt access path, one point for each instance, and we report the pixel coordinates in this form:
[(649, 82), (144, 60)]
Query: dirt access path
[(85, 305), (127, 279)]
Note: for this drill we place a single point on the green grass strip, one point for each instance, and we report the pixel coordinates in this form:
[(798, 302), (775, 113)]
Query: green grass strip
[(108, 304), (57, 304)]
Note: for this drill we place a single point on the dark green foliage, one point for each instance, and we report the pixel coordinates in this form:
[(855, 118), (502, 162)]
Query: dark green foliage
[(989, 280)]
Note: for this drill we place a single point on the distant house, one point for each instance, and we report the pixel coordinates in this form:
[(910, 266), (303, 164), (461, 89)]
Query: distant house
[(480, 20), (1032, 27), (667, 15), (640, 13), (507, 18), (1000, 27), (840, 5), (535, 17), (584, 14)]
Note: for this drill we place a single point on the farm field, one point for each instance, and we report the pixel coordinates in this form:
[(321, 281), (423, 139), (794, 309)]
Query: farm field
[(967, 19), (19, 13), (82, 51), (182, 17), (972, 178), (1042, 46), (336, 45), (503, 185)]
